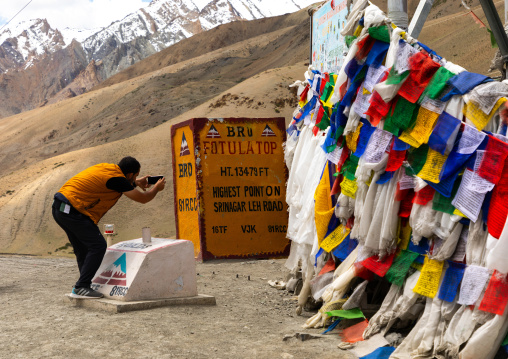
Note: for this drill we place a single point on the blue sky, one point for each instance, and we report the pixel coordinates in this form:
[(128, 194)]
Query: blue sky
[(81, 14)]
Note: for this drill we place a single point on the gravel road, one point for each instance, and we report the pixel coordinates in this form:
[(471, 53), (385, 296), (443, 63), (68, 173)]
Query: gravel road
[(250, 319)]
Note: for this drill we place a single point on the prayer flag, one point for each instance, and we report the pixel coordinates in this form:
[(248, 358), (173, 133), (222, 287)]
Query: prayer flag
[(472, 284), (428, 282), (451, 281), (379, 267), (335, 238), (496, 295), (344, 249), (398, 271), (492, 165), (444, 133), (463, 83), (323, 208), (423, 69), (354, 333)]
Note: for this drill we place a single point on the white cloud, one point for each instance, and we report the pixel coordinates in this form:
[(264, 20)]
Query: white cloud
[(80, 14)]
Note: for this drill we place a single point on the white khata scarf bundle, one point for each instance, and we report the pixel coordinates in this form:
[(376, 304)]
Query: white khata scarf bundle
[(398, 167)]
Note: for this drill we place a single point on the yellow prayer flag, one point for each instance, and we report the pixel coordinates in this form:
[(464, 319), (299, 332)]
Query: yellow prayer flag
[(323, 209), (406, 137), (404, 235), (459, 213), (424, 125), (358, 31), (335, 238), (417, 266), (369, 181), (348, 187), (428, 282), (479, 118), (352, 138), (433, 166)]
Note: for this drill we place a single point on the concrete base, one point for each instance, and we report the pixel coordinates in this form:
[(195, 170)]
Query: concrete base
[(116, 306)]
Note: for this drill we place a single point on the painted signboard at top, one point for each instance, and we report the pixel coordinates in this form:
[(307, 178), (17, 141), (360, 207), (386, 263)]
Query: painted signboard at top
[(240, 176), (328, 45), (243, 186), (186, 205)]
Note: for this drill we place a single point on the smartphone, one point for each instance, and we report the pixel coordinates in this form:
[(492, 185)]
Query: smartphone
[(154, 179)]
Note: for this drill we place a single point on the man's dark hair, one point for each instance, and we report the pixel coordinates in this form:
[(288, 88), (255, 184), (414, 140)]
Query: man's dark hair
[(129, 165)]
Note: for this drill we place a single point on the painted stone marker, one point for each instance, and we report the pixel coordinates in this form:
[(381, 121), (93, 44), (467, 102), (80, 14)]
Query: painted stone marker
[(133, 270), (230, 186)]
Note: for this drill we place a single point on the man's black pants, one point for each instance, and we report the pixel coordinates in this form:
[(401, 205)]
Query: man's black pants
[(86, 239)]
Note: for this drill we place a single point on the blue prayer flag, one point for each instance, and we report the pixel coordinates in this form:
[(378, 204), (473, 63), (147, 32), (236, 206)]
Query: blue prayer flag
[(451, 281)]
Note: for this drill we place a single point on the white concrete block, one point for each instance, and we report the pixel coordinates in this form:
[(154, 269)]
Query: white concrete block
[(133, 270)]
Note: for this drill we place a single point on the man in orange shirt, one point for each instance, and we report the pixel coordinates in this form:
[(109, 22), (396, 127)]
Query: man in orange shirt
[(82, 201)]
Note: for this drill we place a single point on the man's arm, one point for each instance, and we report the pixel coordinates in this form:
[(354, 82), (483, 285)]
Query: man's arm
[(145, 197)]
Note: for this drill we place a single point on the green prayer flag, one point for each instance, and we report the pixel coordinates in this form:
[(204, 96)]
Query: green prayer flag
[(391, 127), (349, 40), (394, 78), (327, 91), (505, 341), (332, 79), (331, 148), (437, 84), (417, 158), (361, 75), (348, 314), (444, 204), (400, 266), (493, 41), (349, 168), (402, 114), (414, 117), (380, 33), (325, 120)]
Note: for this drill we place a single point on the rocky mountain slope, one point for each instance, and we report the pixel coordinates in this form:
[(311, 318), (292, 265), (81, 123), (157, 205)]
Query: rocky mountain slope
[(29, 48)]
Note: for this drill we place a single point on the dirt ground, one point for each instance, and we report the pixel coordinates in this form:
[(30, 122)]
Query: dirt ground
[(250, 319)]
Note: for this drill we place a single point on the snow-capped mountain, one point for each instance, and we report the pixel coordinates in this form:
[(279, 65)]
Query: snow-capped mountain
[(39, 63), (162, 23)]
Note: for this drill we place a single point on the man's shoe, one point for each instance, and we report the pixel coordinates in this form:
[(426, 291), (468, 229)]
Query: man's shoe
[(85, 293)]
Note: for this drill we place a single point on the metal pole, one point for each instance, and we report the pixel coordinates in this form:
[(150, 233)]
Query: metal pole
[(505, 12), (397, 12), (310, 47), (496, 27), (311, 14), (419, 18)]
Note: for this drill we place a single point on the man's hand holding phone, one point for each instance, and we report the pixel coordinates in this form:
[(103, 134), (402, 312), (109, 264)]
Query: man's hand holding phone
[(157, 181)]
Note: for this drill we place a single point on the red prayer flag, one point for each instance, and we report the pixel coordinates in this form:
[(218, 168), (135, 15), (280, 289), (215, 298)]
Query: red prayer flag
[(395, 159), (496, 296), (343, 157), (354, 333), (364, 47), (498, 209), (362, 272), (343, 90), (424, 195), (406, 205), (422, 69), (303, 96), (324, 81), (493, 161), (379, 267), (328, 267), (476, 19)]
